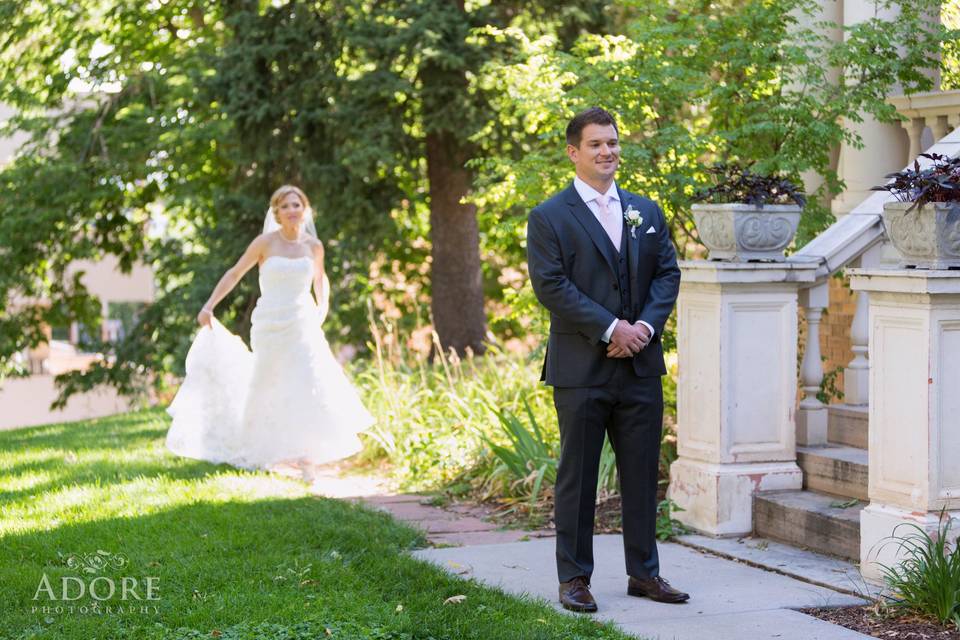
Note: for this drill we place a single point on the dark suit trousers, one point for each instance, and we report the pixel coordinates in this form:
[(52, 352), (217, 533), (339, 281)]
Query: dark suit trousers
[(630, 409)]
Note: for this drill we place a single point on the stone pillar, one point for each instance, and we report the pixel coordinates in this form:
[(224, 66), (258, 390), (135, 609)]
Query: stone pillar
[(914, 406), (828, 21), (885, 146), (812, 415), (737, 390)]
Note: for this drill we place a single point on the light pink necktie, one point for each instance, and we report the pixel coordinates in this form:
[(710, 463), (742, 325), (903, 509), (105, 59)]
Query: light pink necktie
[(606, 220)]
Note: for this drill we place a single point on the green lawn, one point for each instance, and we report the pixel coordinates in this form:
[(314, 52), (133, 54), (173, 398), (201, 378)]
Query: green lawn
[(230, 554)]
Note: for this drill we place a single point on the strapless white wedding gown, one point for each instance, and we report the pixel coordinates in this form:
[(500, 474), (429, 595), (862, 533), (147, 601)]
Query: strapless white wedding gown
[(288, 400)]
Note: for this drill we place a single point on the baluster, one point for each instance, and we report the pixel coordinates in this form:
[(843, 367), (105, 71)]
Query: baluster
[(812, 415), (939, 127), (856, 376), (915, 128)]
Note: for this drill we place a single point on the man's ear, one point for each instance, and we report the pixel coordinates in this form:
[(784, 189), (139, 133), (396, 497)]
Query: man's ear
[(572, 152)]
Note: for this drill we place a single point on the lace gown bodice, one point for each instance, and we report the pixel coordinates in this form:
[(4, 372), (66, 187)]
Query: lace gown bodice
[(285, 280), (285, 302)]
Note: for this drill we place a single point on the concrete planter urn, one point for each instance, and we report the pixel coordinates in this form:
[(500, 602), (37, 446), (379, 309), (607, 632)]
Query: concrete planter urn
[(927, 237), (742, 232)]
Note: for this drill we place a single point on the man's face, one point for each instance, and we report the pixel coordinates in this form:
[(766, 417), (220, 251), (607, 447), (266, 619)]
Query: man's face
[(598, 156)]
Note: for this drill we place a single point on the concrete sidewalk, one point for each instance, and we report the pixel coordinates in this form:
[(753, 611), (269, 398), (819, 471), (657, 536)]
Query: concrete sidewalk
[(729, 600)]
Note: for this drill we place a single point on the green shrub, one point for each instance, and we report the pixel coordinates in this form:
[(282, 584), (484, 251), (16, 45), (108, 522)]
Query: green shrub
[(483, 425), (529, 460), (435, 420), (927, 580), (667, 526)]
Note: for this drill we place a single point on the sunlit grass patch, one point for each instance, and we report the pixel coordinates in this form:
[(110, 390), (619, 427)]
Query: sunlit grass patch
[(231, 554)]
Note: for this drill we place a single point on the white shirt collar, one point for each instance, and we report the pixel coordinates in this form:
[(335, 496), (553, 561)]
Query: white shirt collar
[(588, 193)]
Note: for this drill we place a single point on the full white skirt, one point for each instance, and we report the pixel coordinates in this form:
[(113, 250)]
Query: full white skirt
[(287, 400)]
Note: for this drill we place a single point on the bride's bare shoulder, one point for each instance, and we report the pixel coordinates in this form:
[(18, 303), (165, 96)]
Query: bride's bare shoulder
[(263, 239), (315, 245), (259, 247)]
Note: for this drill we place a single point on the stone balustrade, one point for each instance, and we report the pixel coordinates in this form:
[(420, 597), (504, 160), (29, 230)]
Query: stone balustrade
[(738, 419), (812, 414), (938, 111)]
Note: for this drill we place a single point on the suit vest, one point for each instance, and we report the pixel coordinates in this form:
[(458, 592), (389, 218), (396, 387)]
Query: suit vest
[(623, 278)]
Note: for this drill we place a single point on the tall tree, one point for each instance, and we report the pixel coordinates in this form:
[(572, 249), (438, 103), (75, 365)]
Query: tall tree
[(111, 99), (156, 134), (186, 116), (430, 54)]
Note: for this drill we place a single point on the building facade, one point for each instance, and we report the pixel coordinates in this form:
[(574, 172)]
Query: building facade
[(26, 401)]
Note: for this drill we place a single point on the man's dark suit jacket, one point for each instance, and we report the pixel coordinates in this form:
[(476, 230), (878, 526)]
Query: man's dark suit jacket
[(573, 268)]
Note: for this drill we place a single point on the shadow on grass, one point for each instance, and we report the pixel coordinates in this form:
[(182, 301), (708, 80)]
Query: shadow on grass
[(227, 559), (304, 560), (102, 474)]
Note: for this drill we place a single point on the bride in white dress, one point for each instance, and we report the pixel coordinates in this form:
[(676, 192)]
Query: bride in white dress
[(288, 403)]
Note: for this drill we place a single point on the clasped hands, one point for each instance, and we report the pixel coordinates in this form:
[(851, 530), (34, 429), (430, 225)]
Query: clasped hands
[(628, 339)]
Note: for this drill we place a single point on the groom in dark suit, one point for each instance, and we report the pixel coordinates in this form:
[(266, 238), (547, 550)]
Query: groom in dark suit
[(602, 262)]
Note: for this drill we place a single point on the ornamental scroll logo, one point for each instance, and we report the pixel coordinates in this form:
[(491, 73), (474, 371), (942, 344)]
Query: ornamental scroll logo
[(716, 229), (94, 563)]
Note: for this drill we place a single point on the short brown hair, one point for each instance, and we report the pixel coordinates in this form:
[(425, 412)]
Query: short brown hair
[(593, 115)]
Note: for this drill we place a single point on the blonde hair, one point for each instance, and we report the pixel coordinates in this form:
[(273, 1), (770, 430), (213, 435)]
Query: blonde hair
[(283, 192)]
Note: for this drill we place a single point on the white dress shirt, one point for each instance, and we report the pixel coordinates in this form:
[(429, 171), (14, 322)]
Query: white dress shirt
[(612, 223)]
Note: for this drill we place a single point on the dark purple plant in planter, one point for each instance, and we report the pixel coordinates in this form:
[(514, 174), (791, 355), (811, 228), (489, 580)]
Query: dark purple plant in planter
[(733, 183), (924, 226), (939, 182), (746, 216)]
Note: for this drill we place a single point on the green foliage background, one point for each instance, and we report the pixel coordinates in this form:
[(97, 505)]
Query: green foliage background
[(156, 133)]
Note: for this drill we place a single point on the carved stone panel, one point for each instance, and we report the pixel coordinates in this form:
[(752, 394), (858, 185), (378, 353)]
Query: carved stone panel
[(926, 237)]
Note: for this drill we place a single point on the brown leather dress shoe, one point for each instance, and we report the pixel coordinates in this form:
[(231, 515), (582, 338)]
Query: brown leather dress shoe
[(656, 589), (575, 596)]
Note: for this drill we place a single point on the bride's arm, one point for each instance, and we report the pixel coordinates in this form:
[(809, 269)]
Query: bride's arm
[(319, 279), (230, 279)]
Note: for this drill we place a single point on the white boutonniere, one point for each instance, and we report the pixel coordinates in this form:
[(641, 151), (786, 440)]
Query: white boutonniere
[(633, 219)]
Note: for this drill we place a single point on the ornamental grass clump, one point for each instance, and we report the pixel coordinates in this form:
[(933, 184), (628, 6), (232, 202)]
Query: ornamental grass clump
[(927, 579), (526, 467), (938, 182), (527, 463), (434, 417)]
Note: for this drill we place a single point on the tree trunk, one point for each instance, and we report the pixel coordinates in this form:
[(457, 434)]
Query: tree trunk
[(456, 278)]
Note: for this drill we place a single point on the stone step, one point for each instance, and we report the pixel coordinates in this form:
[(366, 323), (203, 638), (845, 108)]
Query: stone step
[(835, 469), (807, 519), (847, 424)]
